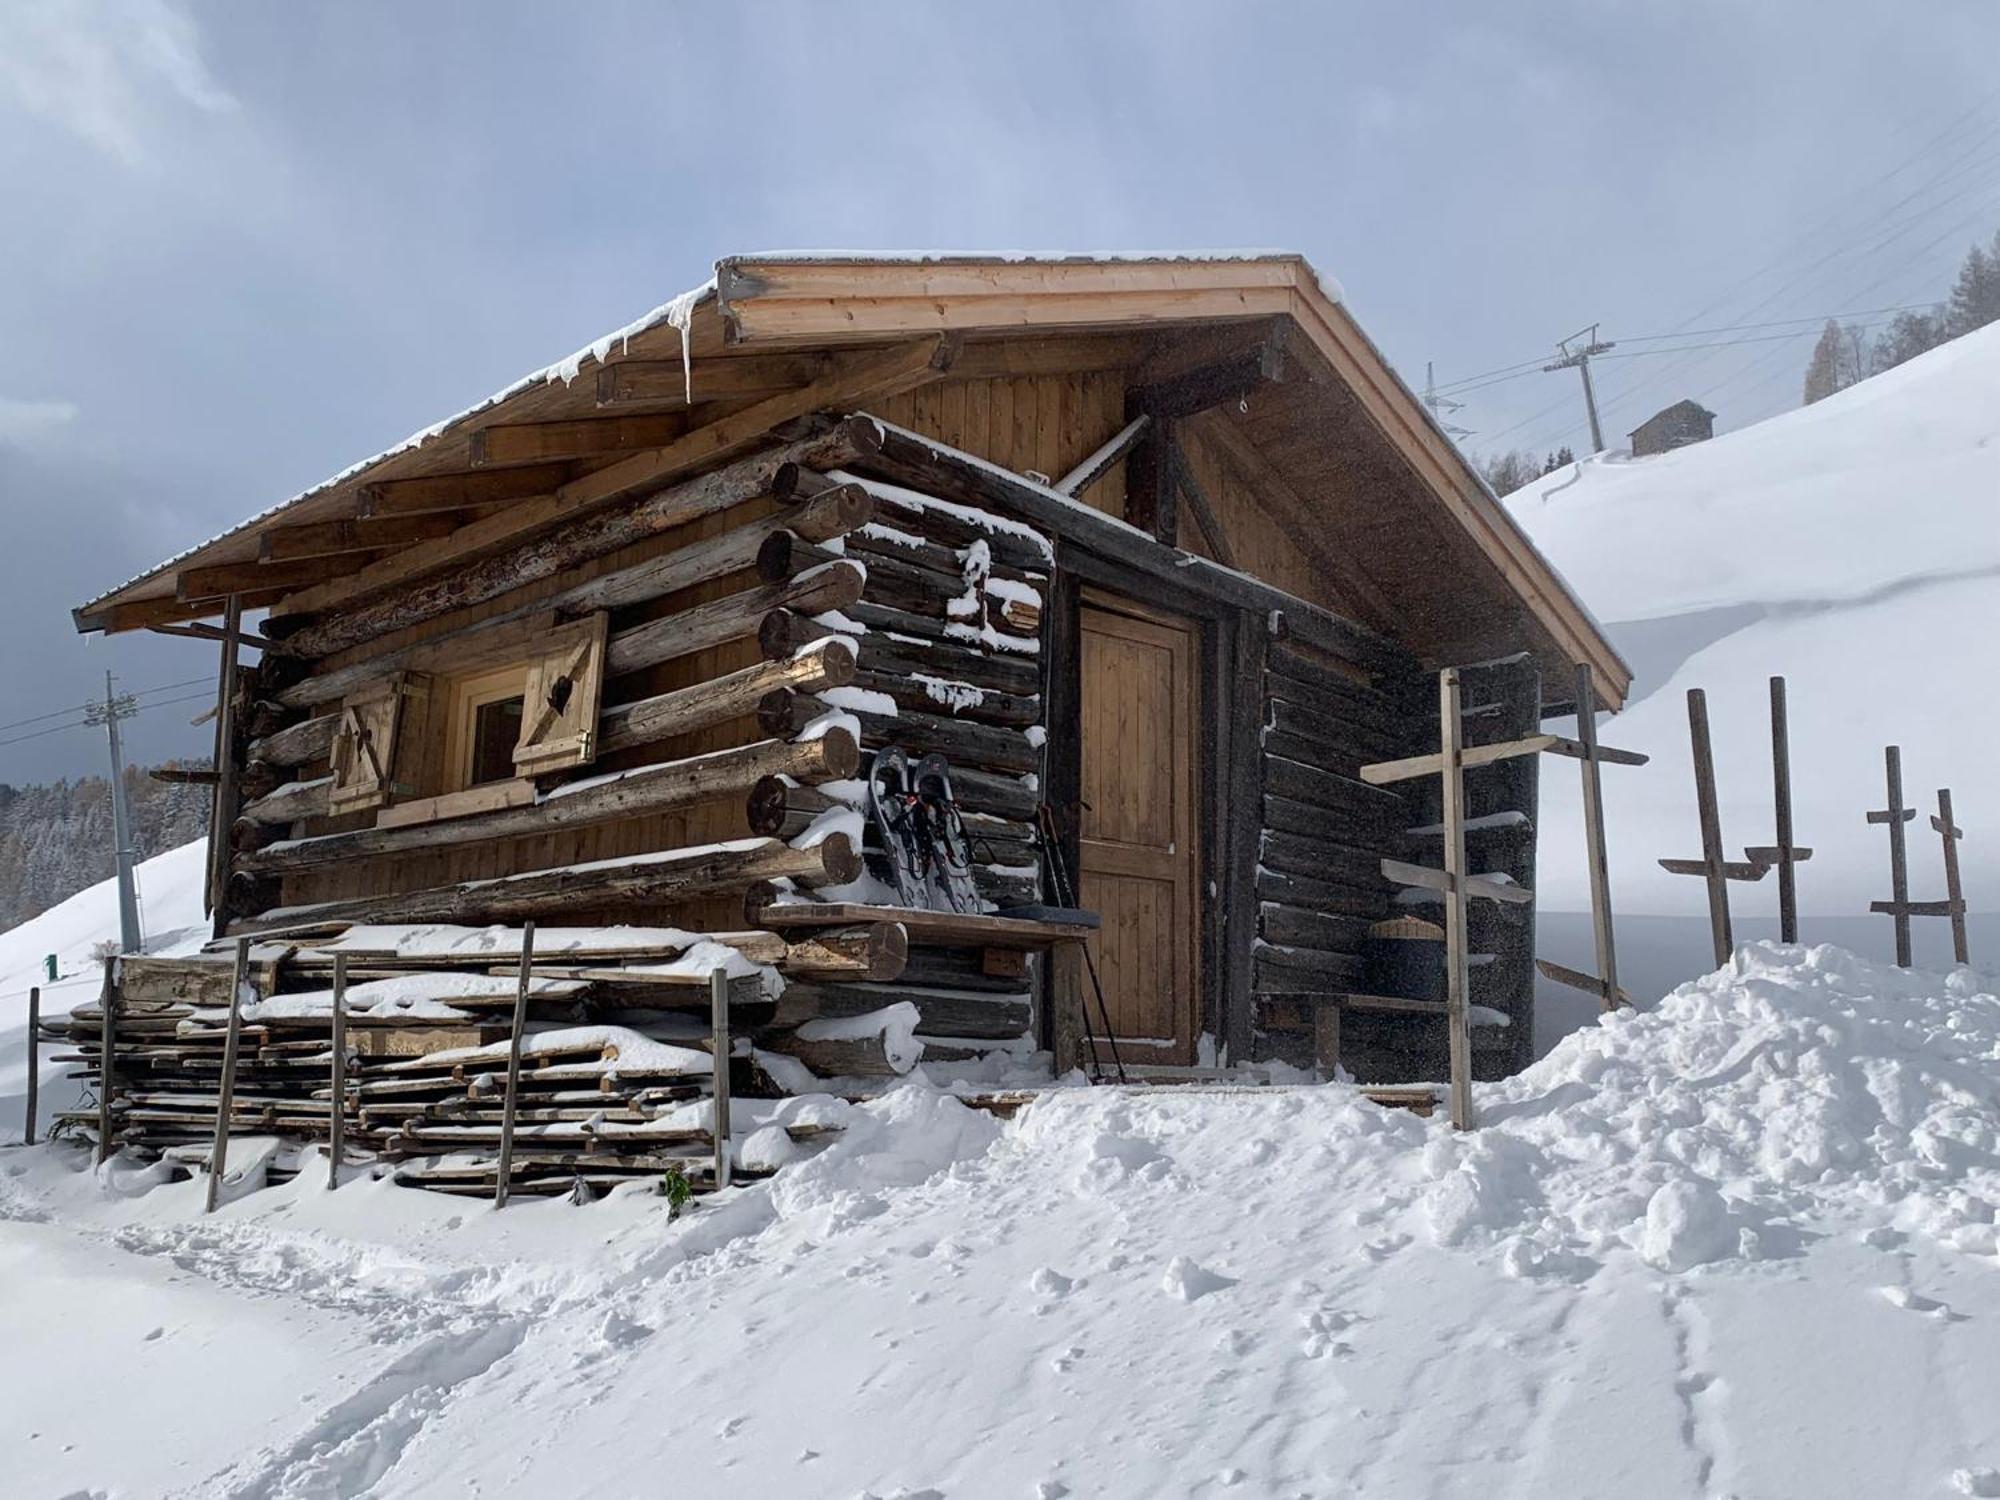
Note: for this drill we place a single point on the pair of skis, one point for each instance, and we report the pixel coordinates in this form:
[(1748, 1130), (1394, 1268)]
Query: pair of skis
[(923, 836)]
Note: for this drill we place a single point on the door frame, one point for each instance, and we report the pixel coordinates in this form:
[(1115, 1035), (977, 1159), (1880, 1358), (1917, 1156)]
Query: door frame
[(1229, 811)]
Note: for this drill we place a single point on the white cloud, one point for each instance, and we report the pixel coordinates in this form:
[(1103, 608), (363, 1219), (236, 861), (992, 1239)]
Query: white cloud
[(107, 72), (24, 421)]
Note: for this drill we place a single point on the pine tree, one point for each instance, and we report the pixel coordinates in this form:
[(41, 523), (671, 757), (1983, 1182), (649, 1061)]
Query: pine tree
[(1975, 297), (1907, 336)]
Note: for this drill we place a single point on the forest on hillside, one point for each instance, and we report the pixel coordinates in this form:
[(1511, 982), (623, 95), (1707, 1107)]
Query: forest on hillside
[(55, 838)]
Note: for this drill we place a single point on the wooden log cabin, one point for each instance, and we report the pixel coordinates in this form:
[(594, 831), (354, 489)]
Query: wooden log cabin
[(1161, 545)]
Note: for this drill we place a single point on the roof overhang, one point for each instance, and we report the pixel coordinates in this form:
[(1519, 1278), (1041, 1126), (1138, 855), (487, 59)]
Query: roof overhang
[(789, 303)]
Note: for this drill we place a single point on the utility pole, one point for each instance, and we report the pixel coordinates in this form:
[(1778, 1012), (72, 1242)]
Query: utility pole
[(1579, 357), (1439, 405), (118, 706)]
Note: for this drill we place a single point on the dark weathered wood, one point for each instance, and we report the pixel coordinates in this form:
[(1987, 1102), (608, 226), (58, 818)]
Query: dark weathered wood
[(1954, 890), (328, 538), (303, 742), (1787, 853), (974, 746), (642, 792), (1458, 986), (1300, 927), (511, 1100), (917, 695), (409, 497), (34, 1063), (293, 802), (719, 1053), (732, 617), (225, 1108), (880, 658), (1101, 461), (908, 458), (1195, 390), (944, 1011), (703, 705), (1712, 866), (1596, 857), (875, 951), (222, 809), (337, 1121), (899, 509), (1895, 815), (577, 538), (220, 580), (654, 578), (109, 1004), (637, 883), (1201, 510)]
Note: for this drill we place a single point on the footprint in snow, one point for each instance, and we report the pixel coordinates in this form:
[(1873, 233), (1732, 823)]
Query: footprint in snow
[(1048, 1282), (1976, 1481), (157, 1332), (1065, 1361), (1048, 1489), (1190, 1281)]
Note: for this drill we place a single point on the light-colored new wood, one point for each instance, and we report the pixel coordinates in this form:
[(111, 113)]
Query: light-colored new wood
[(1138, 857), (479, 799)]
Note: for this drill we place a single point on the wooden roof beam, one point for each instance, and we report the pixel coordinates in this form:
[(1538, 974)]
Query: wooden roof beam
[(329, 538), (143, 614), (222, 579), (409, 497), (635, 380), (599, 437)]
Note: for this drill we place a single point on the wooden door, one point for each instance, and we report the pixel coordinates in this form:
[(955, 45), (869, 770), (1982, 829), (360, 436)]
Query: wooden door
[(1139, 860)]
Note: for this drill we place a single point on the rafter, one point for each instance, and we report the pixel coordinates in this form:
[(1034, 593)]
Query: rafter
[(409, 497), (327, 538), (596, 437), (222, 579)]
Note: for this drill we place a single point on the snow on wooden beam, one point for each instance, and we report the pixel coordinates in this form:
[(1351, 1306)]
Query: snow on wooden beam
[(638, 882), (637, 793)]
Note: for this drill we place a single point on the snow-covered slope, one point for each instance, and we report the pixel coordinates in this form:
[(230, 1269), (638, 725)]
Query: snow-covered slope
[(1743, 1245), (1853, 547), (170, 910)]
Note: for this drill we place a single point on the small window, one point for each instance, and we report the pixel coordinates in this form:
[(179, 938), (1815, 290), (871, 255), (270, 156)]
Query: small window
[(496, 727)]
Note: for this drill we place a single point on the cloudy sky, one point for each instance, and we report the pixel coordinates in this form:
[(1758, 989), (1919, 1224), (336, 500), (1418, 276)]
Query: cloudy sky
[(246, 246)]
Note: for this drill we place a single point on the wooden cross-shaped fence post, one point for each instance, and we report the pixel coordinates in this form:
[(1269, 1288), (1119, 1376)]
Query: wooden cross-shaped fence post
[(1591, 756), (718, 1061), (1954, 892), (337, 1122), (1712, 867), (1896, 815), (1784, 856)]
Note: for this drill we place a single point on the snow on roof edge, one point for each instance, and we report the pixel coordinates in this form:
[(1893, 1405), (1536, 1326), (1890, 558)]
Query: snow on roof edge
[(678, 311)]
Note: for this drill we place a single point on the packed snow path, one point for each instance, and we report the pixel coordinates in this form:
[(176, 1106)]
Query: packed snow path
[(1741, 1246)]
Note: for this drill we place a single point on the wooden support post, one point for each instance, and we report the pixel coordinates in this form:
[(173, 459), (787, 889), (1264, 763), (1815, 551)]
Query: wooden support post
[(107, 1007), (512, 1101), (337, 1129), (34, 1061), (1594, 851), (1784, 855), (1712, 867), (222, 816), (1954, 892), (225, 1104), (1457, 974), (1896, 815), (718, 1057)]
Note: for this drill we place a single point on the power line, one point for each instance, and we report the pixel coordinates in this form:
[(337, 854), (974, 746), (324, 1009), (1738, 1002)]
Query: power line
[(86, 724)]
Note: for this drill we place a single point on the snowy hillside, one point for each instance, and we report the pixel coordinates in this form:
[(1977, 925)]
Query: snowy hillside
[(1852, 546), (1743, 1245)]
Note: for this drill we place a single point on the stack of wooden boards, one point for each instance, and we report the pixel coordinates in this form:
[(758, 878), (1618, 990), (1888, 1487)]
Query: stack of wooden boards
[(617, 1053)]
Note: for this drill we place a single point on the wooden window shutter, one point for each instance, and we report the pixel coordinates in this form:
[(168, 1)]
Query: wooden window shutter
[(565, 687), (364, 746)]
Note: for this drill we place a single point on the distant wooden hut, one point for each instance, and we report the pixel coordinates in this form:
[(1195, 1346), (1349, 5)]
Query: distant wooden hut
[(1673, 427), (1161, 543)]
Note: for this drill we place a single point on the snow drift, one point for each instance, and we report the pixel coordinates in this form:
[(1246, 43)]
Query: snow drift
[(1742, 1244)]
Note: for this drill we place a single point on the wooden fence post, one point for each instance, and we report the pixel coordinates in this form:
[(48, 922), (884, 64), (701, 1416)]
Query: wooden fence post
[(514, 1066), (34, 1061), (1595, 853), (222, 813), (1712, 867), (107, 1049), (1451, 741), (337, 1125), (1896, 815), (1784, 856), (225, 1104), (1954, 890), (718, 1007)]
